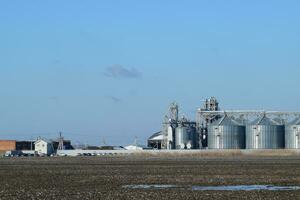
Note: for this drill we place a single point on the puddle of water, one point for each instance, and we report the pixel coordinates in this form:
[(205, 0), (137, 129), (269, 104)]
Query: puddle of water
[(217, 188), (149, 186), (244, 188)]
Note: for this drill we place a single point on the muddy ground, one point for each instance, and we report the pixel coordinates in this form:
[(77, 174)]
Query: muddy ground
[(104, 177)]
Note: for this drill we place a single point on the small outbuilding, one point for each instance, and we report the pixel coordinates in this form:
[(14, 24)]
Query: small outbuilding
[(155, 141), (44, 147)]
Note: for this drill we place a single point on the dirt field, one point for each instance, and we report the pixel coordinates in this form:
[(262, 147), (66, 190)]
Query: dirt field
[(105, 177)]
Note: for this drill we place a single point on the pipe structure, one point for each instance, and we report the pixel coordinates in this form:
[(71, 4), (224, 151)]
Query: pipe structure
[(246, 112)]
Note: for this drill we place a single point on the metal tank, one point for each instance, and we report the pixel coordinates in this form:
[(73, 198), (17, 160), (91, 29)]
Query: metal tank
[(292, 134), (170, 138), (264, 133), (226, 133), (194, 138), (185, 137)]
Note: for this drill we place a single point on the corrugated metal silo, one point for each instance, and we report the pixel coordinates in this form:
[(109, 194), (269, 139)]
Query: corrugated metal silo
[(182, 137), (292, 134), (264, 133), (186, 137), (194, 138), (226, 133)]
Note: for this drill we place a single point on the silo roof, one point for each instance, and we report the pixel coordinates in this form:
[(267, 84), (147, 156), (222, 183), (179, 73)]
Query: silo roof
[(226, 121), (295, 121), (241, 120), (156, 136), (279, 120), (265, 121)]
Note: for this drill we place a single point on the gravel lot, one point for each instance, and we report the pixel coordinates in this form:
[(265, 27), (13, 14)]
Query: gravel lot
[(105, 177)]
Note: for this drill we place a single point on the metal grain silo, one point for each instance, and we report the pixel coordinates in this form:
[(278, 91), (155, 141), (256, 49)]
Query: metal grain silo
[(264, 133), (182, 137), (226, 133), (194, 138), (186, 137), (292, 133)]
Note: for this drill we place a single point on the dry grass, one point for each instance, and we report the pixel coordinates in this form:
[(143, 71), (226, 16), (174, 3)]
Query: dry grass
[(219, 153)]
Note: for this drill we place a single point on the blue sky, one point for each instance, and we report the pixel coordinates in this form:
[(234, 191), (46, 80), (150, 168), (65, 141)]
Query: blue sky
[(109, 69)]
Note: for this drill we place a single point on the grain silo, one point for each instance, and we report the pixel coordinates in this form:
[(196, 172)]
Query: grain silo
[(226, 133), (292, 133), (264, 133), (194, 138), (185, 137), (182, 137)]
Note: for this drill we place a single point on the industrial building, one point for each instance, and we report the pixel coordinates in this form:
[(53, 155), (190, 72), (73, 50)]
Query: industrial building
[(231, 129), (14, 145), (177, 133), (263, 129), (180, 132), (39, 146)]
